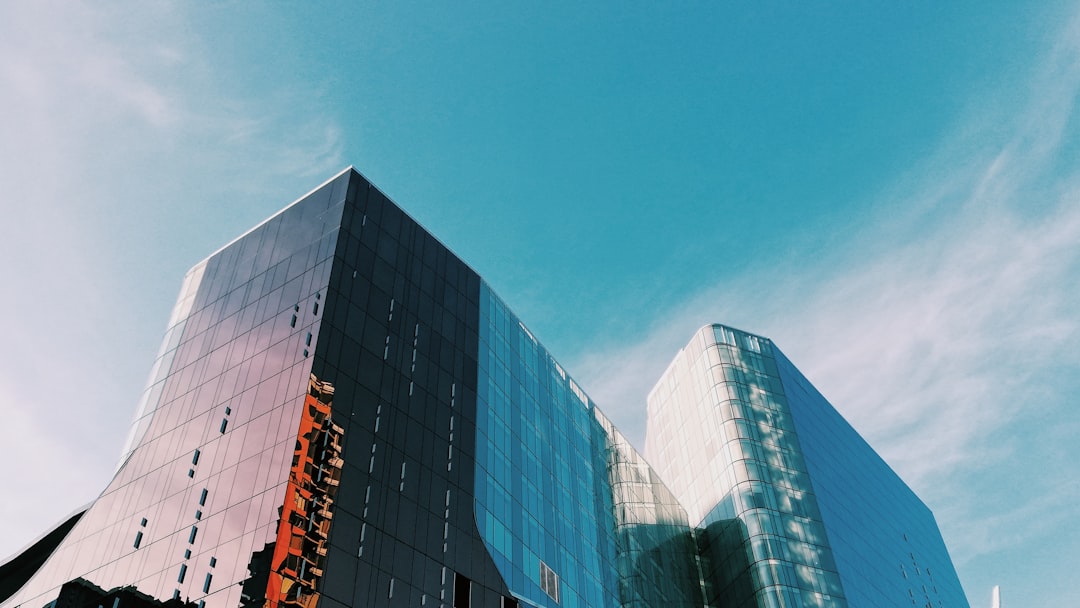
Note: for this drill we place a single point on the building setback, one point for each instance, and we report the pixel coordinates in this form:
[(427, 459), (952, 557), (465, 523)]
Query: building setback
[(343, 413)]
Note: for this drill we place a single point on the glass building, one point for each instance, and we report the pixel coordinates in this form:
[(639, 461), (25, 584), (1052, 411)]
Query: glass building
[(791, 507), (342, 413)]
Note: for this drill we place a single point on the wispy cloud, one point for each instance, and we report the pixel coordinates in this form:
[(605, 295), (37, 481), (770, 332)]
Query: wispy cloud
[(57, 61), (71, 475), (934, 326), (85, 80), (111, 118)]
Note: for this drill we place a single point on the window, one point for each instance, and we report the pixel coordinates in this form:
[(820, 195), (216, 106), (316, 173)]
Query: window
[(753, 344), (549, 581), (462, 591), (724, 335)]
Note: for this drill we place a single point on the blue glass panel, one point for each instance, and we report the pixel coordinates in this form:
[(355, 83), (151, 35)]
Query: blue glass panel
[(885, 540), (571, 513)]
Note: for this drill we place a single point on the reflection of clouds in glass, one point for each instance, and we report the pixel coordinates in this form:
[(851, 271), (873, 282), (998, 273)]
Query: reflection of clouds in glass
[(656, 557), (209, 453), (721, 434), (575, 476)]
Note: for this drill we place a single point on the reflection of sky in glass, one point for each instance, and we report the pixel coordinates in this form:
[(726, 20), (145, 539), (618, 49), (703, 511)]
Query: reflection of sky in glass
[(557, 485), (721, 433), (885, 540), (570, 513), (794, 505), (230, 383)]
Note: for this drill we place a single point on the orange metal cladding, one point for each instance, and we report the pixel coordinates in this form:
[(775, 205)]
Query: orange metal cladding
[(300, 551)]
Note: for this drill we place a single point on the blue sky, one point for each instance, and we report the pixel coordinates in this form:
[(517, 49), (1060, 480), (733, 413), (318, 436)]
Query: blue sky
[(889, 191)]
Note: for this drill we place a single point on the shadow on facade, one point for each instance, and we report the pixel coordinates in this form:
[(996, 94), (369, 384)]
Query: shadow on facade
[(724, 550), (657, 565)]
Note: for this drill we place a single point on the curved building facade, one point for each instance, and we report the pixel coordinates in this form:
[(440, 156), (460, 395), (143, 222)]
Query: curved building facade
[(343, 413), (792, 507)]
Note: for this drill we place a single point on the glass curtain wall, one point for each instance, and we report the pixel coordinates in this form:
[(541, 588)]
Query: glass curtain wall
[(571, 514)]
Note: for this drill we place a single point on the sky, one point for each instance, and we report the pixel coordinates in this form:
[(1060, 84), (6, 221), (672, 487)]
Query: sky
[(889, 191)]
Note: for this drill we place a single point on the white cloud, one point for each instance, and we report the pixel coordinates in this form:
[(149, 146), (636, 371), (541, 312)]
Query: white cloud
[(933, 327), (107, 115), (70, 472)]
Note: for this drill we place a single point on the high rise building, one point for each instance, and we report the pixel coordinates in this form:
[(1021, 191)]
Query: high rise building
[(343, 413)]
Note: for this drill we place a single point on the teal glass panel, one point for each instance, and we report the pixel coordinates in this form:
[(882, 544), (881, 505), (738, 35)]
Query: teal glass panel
[(570, 513)]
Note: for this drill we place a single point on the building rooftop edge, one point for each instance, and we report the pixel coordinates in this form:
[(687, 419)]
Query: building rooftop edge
[(273, 215)]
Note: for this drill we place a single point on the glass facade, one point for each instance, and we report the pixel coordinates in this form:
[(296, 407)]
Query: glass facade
[(885, 540), (199, 490), (343, 413), (721, 433), (560, 491), (792, 507)]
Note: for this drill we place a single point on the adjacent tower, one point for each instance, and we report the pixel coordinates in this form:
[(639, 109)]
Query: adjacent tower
[(792, 506)]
